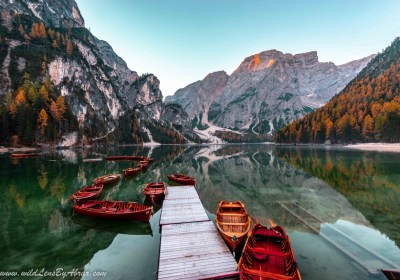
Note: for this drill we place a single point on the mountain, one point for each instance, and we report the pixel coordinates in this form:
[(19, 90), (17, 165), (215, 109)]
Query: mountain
[(367, 110), (104, 100), (267, 91)]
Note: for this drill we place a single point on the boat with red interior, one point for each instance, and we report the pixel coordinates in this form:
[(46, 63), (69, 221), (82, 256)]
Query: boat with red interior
[(392, 274), (115, 158), (87, 193), (143, 164), (233, 222), (121, 210), (107, 179), (268, 254), (182, 179), (131, 171), (154, 190), (24, 155)]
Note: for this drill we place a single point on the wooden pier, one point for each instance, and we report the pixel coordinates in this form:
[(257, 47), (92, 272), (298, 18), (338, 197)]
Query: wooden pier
[(191, 247)]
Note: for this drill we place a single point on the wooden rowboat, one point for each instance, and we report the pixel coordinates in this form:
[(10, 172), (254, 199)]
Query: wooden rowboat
[(137, 158), (392, 274), (133, 158), (115, 158), (182, 179), (143, 164), (131, 171), (115, 210), (107, 179), (154, 191), (233, 222), (268, 255), (24, 155), (87, 193)]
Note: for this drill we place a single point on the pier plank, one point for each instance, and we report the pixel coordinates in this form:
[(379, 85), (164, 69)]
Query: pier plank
[(191, 247)]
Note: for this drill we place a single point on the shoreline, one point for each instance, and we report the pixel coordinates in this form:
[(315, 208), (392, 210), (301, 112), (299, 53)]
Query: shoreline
[(378, 147), (4, 150)]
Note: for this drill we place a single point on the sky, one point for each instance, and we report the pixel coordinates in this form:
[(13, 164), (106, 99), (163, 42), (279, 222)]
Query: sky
[(181, 41)]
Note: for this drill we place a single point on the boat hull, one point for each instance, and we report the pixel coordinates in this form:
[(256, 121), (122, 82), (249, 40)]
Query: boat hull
[(182, 179), (107, 179), (268, 254), (142, 214), (24, 155), (154, 191), (232, 220), (86, 194), (131, 171)]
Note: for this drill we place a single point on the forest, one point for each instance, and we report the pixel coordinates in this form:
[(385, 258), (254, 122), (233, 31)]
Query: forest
[(35, 111), (367, 110)]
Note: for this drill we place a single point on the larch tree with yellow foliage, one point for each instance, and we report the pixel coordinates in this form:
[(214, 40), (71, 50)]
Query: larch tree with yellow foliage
[(42, 121)]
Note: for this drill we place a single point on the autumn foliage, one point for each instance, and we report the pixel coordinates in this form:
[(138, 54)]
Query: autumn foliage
[(33, 113), (367, 110)]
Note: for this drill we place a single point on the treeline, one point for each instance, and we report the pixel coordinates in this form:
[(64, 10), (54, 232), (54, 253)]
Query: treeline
[(232, 137), (34, 112), (367, 110), (164, 135)]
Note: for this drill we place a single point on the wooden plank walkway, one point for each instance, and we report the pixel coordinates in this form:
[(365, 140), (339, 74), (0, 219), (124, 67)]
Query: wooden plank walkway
[(191, 247)]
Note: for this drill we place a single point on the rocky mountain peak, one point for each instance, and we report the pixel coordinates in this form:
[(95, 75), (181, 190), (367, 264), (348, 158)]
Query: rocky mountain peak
[(216, 75), (55, 13), (104, 99), (267, 90), (306, 59), (268, 59)]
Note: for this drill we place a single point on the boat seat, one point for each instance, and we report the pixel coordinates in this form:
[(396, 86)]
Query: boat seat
[(268, 275), (231, 224), (262, 254), (230, 214)]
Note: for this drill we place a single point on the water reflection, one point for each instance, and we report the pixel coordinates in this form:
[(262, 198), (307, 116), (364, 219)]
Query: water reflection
[(312, 193), (369, 181)]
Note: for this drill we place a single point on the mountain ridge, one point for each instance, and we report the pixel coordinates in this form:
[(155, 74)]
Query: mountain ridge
[(266, 91), (367, 109), (104, 98)]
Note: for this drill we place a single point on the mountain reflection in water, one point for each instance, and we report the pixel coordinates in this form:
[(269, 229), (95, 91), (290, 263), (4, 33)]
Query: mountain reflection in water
[(340, 208)]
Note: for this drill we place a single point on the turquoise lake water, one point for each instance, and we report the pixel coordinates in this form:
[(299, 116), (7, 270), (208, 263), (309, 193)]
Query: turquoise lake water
[(340, 207)]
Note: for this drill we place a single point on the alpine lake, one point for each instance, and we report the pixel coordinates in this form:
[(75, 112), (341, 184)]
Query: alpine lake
[(340, 207)]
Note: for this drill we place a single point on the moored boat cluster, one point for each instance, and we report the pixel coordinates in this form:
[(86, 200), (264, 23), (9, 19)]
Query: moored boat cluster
[(85, 203), (267, 253)]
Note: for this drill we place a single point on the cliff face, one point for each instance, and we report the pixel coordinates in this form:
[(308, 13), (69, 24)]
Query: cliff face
[(266, 91), (99, 89), (197, 96), (366, 110)]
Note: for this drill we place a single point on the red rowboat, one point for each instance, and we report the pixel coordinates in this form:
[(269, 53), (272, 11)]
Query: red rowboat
[(107, 179), (86, 193), (233, 222), (154, 190), (392, 274), (115, 158), (115, 210), (24, 155), (143, 164), (182, 179), (137, 158), (268, 255), (131, 171)]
